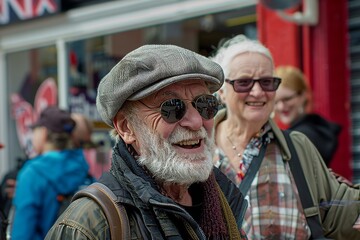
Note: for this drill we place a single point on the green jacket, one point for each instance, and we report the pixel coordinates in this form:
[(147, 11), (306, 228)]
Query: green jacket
[(151, 215), (338, 217)]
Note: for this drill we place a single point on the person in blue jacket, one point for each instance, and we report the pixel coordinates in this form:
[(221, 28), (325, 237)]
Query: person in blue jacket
[(59, 169)]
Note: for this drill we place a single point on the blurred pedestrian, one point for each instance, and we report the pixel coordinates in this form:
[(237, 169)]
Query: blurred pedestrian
[(291, 102), (291, 193), (158, 101), (82, 138), (7, 188), (58, 169), (8, 184), (82, 133)]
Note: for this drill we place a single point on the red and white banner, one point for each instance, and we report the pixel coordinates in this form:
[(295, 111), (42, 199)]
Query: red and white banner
[(25, 114)]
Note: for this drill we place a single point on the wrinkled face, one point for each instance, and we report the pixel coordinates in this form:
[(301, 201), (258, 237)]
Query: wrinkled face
[(256, 105), (289, 104), (179, 152)]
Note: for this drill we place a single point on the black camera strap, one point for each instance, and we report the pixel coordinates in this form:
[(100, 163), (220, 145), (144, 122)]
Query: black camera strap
[(305, 197), (252, 170)]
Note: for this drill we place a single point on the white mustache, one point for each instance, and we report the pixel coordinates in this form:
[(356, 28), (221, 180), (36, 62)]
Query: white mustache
[(182, 134)]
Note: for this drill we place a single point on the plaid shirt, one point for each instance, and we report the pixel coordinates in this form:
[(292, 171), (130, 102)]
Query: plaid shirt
[(275, 210)]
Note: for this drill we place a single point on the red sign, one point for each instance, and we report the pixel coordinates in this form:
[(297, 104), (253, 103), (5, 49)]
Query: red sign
[(25, 115)]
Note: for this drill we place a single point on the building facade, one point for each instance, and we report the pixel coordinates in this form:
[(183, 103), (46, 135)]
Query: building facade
[(56, 52)]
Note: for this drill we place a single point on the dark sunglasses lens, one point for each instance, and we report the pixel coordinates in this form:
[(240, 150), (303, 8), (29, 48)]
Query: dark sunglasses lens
[(173, 110), (269, 84), (243, 85), (207, 106)]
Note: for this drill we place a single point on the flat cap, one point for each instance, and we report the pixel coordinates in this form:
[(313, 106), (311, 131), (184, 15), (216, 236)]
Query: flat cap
[(148, 69)]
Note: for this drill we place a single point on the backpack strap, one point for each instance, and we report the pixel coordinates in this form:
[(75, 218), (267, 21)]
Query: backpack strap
[(115, 212), (305, 197), (253, 169)]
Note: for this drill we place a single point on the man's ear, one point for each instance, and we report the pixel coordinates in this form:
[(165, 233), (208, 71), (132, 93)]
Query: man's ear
[(123, 128)]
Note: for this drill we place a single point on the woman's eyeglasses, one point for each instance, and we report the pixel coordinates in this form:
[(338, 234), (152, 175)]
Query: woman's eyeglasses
[(267, 84), (173, 110)]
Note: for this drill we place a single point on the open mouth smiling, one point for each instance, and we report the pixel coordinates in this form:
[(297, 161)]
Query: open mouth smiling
[(255, 104), (189, 144)]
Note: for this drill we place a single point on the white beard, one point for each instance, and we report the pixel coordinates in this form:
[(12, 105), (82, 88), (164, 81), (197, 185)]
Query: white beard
[(165, 164)]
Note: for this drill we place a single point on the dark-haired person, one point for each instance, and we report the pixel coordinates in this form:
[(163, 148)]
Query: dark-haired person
[(254, 154), (57, 169), (158, 100)]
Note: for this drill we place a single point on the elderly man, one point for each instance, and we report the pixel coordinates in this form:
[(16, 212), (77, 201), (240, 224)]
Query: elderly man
[(158, 101)]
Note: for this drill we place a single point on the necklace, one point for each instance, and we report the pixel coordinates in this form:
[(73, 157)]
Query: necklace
[(234, 147), (241, 170)]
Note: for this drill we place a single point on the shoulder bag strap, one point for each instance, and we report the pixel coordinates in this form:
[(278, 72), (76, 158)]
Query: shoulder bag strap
[(253, 169), (305, 197), (115, 212)]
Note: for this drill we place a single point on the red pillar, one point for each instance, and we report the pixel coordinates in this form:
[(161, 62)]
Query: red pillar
[(321, 51), (282, 38), (326, 64)]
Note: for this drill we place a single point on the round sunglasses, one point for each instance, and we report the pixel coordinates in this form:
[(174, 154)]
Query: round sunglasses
[(267, 84), (173, 110)]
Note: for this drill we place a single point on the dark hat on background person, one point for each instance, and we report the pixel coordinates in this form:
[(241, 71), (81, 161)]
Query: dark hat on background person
[(148, 69), (56, 120)]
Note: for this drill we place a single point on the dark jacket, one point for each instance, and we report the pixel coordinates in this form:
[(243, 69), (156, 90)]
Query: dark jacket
[(151, 214), (321, 132), (5, 201)]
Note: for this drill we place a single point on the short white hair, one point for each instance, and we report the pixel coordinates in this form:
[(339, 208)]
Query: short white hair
[(239, 44)]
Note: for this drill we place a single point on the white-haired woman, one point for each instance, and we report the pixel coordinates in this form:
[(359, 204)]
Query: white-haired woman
[(253, 152)]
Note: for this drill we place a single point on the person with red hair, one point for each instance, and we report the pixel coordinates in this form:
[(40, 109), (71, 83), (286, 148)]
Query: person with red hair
[(292, 102)]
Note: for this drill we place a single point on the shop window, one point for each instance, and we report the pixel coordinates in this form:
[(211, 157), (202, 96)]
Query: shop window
[(27, 71), (91, 59)]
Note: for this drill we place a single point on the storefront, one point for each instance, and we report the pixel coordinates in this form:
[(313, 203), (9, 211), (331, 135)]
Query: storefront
[(326, 50), (69, 51)]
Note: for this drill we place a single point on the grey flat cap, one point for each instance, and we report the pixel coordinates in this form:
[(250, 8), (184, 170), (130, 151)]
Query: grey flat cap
[(148, 69)]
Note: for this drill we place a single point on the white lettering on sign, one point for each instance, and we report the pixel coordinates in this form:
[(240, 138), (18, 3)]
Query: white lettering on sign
[(12, 10), (80, 104)]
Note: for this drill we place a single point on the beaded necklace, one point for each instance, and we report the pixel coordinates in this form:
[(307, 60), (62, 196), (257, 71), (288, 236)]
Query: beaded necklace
[(242, 169)]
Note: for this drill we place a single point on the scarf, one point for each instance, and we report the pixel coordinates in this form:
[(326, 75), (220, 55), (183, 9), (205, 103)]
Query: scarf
[(216, 220)]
